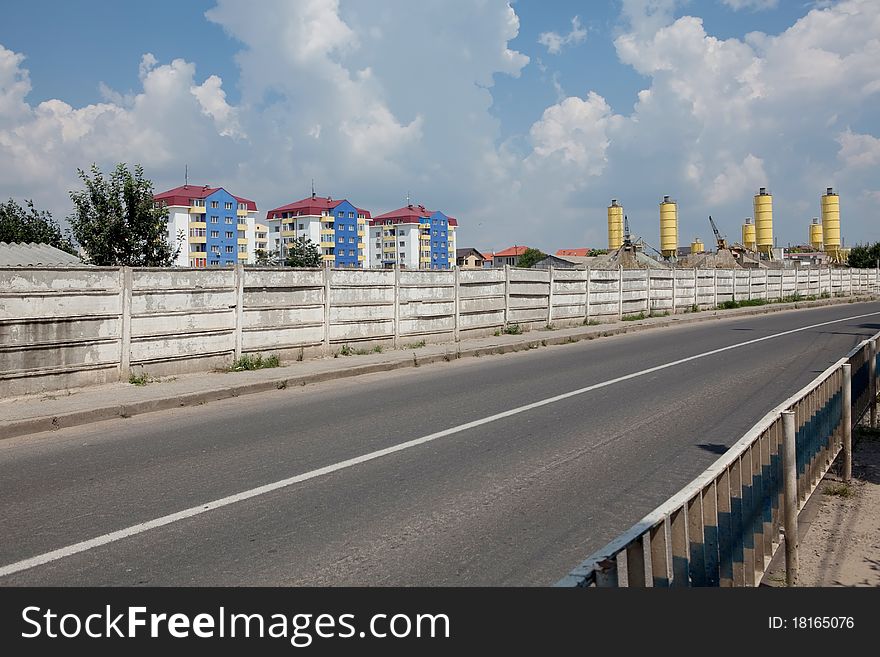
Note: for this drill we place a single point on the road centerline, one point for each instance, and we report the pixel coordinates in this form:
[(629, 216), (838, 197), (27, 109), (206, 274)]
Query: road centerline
[(139, 528)]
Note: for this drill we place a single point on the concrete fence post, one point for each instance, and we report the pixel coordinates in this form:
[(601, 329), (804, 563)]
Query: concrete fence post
[(750, 284), (715, 286), (847, 422), (506, 295), (456, 334), (872, 383), (125, 324), (648, 291), (849, 276), (797, 280), (239, 309), (619, 291), (396, 305), (790, 497), (550, 299), (326, 272), (673, 290), (587, 299)]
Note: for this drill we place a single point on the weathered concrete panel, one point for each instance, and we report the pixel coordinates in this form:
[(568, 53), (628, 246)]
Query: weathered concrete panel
[(143, 349), (283, 317), (466, 276), (569, 287), (570, 275), (529, 289), (479, 305), (59, 305), (523, 301), (481, 320), (58, 356), (422, 326), (167, 279), (19, 279), (358, 313), (284, 297), (274, 278), (486, 290), (527, 315), (38, 331), (600, 309), (426, 278), (361, 278), (282, 338), (361, 331), (355, 295), (529, 276), (426, 294), (417, 309), (180, 300), (164, 324)]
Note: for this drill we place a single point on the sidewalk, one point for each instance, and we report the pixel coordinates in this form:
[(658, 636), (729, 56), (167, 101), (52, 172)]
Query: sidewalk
[(55, 410)]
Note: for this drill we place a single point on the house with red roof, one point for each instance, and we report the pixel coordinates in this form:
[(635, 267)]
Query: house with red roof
[(412, 237), (508, 256), (335, 225), (219, 229)]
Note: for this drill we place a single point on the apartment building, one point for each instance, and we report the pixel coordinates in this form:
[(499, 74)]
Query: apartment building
[(219, 227), (336, 226), (413, 238)]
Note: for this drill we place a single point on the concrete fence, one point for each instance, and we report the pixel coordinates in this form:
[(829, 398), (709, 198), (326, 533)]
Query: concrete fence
[(724, 527), (67, 327)]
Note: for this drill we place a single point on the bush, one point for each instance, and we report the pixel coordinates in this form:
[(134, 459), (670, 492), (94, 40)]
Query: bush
[(251, 362), (512, 329)]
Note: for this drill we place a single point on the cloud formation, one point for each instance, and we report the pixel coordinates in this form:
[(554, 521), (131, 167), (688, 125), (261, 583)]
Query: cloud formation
[(555, 42)]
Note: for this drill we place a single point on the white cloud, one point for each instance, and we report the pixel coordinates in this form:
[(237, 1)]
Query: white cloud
[(555, 42), (754, 5), (857, 150)]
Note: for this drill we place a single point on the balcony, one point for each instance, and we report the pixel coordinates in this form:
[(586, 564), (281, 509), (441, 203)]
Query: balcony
[(242, 240), (241, 213), (243, 227), (328, 258), (197, 209), (328, 245), (328, 231), (198, 239), (197, 224)]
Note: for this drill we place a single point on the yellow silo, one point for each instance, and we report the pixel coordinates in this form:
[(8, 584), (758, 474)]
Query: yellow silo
[(816, 240), (668, 227), (831, 223), (615, 225), (748, 235), (764, 221), (697, 246)]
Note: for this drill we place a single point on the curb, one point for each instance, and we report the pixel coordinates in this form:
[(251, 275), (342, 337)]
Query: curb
[(111, 411)]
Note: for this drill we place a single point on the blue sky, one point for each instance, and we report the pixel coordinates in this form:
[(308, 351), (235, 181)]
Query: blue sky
[(521, 120)]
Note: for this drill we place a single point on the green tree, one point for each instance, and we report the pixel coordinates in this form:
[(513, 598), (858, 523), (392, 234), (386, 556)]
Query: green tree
[(303, 253), (530, 257), (864, 256), (18, 224), (265, 258), (117, 222)]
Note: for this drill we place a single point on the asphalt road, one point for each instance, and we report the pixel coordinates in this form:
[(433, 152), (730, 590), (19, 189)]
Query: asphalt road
[(518, 500)]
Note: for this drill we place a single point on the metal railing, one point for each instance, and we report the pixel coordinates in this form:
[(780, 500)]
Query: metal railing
[(725, 526)]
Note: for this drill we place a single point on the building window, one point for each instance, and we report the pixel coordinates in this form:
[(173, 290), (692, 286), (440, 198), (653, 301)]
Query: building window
[(228, 248), (229, 234), (341, 240), (351, 227), (302, 226), (351, 215), (215, 263), (228, 220), (228, 205), (340, 214), (242, 248), (215, 249), (214, 219), (351, 253)]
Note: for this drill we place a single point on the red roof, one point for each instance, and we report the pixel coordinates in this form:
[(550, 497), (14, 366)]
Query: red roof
[(573, 252), (181, 196), (512, 251), (311, 206), (411, 214)]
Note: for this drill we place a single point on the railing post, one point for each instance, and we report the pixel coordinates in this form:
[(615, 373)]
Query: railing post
[(456, 336), (790, 496), (125, 325), (872, 383), (750, 284), (239, 309), (847, 422), (397, 305), (619, 291), (550, 299), (648, 291), (326, 272), (587, 299), (506, 295), (673, 291), (715, 286)]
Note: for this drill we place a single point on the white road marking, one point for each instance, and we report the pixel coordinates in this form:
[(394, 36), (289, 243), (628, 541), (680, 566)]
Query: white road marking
[(140, 528)]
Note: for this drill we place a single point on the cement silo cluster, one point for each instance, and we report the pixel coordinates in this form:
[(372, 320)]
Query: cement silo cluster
[(748, 235), (668, 228), (831, 224), (816, 239), (615, 225), (763, 206)]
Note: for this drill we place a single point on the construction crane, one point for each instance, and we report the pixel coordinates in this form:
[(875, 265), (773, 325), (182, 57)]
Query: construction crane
[(721, 242)]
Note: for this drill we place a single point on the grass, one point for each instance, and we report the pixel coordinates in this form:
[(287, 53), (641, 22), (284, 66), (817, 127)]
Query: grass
[(141, 379), (415, 345), (512, 329), (250, 362), (633, 318), (841, 489), (744, 303), (663, 313), (591, 322), (345, 350)]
